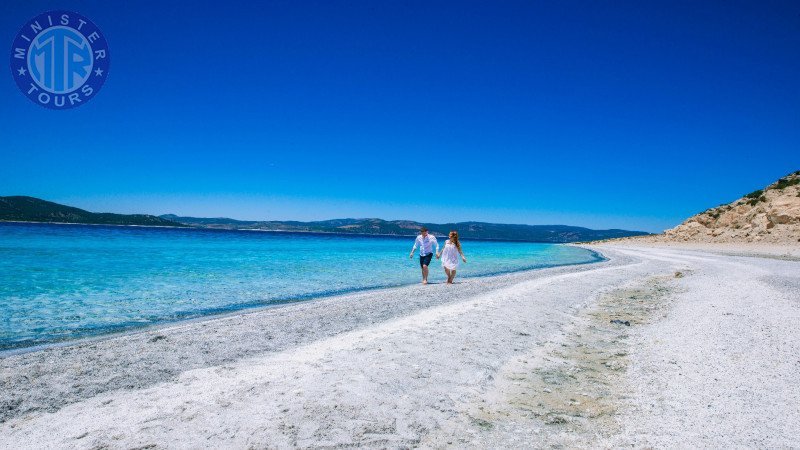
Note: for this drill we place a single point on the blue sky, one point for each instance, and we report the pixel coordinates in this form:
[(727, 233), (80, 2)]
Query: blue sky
[(623, 114)]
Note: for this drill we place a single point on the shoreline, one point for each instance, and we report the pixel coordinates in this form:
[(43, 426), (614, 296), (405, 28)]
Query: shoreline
[(233, 310), (30, 222), (524, 359), (190, 346)]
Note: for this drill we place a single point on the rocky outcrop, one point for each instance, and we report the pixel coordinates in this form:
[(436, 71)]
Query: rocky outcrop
[(769, 215)]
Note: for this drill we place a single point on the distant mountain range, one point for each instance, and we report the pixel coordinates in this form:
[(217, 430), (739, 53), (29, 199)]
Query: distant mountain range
[(468, 230), (30, 209)]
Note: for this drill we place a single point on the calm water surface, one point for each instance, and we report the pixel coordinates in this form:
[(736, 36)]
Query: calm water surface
[(61, 282)]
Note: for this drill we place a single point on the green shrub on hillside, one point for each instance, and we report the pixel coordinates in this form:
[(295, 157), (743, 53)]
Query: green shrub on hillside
[(754, 201), (785, 182), (754, 194)]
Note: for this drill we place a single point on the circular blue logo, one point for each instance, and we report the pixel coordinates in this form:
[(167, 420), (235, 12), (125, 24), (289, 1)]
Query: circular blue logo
[(60, 59)]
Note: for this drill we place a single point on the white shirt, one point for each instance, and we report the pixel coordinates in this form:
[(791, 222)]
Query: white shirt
[(425, 244)]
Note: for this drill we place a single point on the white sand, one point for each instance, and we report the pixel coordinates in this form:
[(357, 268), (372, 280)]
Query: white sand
[(789, 251), (722, 368), (710, 360)]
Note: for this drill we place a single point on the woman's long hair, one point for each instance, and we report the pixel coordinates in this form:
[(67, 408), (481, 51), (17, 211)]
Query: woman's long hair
[(454, 239)]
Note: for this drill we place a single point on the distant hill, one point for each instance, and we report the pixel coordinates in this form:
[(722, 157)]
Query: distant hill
[(474, 230), (210, 222), (30, 209), (770, 214)]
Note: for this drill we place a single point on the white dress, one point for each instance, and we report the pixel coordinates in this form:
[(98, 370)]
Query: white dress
[(450, 256)]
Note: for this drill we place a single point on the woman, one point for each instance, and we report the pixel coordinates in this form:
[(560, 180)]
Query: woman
[(449, 256)]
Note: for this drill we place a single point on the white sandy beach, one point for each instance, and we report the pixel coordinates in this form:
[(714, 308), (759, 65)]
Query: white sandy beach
[(711, 359)]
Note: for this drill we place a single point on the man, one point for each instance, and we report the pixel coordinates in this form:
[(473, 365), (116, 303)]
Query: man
[(425, 242)]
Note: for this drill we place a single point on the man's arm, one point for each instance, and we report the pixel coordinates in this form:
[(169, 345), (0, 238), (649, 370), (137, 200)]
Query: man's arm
[(437, 246), (414, 248)]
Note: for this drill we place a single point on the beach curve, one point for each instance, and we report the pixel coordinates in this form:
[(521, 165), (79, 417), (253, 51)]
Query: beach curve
[(470, 369)]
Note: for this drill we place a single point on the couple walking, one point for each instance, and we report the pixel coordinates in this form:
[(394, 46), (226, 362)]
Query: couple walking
[(449, 255)]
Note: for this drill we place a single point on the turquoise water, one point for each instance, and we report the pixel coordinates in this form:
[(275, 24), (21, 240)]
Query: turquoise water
[(61, 282)]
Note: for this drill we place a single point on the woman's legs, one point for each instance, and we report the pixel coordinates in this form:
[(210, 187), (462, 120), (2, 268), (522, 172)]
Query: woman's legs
[(452, 276), (447, 272)]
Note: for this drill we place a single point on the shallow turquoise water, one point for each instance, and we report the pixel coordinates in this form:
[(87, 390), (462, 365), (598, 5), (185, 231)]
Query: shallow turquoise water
[(61, 282)]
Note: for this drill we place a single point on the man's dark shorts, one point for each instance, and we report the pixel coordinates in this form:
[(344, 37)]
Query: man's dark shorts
[(425, 260)]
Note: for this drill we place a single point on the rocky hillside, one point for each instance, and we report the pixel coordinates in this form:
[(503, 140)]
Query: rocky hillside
[(769, 215)]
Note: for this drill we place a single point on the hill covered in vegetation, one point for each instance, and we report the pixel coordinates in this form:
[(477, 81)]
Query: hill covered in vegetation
[(31, 209), (468, 230)]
